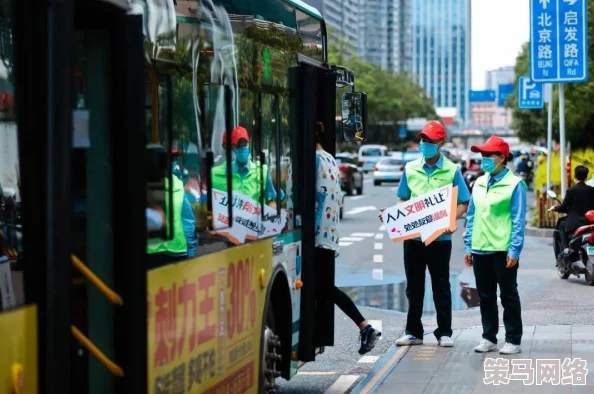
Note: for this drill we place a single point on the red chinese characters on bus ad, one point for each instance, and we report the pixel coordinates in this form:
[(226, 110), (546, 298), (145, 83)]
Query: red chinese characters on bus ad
[(205, 322)]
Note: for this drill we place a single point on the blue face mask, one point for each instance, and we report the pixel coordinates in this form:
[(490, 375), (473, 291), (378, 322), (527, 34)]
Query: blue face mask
[(488, 164), (242, 154), (429, 150)]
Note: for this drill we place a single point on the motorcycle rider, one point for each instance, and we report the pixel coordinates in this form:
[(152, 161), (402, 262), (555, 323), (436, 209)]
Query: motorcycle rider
[(523, 165), (578, 200)]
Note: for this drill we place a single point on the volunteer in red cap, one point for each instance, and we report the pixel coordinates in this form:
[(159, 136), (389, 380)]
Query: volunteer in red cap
[(430, 172), (495, 224), (245, 174)]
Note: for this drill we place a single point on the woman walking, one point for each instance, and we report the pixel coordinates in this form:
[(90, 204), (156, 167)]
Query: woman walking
[(496, 220), (326, 246)]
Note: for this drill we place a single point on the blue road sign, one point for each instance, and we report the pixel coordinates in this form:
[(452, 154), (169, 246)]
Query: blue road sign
[(530, 94), (502, 92), (481, 96), (402, 132), (558, 41)]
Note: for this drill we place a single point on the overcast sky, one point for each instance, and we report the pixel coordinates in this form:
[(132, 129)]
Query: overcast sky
[(499, 28)]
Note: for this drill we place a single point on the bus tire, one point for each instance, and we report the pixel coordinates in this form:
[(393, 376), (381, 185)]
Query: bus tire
[(270, 359)]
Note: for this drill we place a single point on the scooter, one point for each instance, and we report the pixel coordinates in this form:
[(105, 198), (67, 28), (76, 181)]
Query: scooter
[(527, 177), (470, 178), (575, 260)]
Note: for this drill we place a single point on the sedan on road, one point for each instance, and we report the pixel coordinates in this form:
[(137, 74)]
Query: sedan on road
[(350, 173), (388, 170)]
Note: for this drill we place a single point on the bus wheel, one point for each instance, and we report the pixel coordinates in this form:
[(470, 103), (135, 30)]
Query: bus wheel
[(270, 362)]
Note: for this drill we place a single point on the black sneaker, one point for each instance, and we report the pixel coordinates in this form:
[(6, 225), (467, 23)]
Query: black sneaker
[(368, 337)]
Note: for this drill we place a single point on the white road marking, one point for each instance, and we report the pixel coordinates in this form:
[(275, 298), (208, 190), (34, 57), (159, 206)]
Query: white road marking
[(378, 245), (358, 197), (382, 228), (377, 274), (394, 188), (378, 258), (358, 210), (368, 359), (315, 373), (342, 384), (362, 235), (379, 236), (340, 243), (352, 239), (377, 324)]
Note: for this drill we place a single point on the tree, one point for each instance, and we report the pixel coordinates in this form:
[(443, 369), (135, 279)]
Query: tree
[(531, 125)]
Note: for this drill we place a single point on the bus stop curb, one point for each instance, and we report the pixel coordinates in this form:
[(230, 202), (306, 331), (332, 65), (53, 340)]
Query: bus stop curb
[(536, 232), (381, 370)]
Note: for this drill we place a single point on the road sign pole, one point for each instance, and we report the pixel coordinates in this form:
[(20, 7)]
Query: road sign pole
[(562, 137), (549, 137)]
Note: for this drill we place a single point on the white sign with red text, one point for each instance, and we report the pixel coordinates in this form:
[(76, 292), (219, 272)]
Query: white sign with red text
[(247, 221), (426, 216)]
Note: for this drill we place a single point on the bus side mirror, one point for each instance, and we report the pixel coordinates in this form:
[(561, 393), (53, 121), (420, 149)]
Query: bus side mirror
[(354, 116)]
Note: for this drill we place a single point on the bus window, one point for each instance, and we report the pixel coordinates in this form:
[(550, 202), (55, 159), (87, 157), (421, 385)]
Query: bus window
[(11, 265), (175, 157), (245, 173), (275, 218), (310, 31), (286, 163)]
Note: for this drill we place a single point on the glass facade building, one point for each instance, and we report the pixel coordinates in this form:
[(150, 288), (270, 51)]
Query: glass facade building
[(385, 33), (441, 52), (342, 18)]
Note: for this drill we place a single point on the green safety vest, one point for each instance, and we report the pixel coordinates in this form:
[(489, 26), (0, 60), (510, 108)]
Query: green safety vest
[(248, 185), (177, 245), (492, 226), (418, 181)]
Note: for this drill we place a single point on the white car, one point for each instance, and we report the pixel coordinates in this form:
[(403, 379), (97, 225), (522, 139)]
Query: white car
[(389, 169), (369, 155)]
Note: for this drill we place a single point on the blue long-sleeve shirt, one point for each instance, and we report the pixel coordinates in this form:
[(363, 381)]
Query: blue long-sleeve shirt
[(189, 224), (404, 192), (518, 216)]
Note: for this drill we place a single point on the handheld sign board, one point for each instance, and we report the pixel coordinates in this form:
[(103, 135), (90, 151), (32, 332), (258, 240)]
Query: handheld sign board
[(247, 222), (426, 216)]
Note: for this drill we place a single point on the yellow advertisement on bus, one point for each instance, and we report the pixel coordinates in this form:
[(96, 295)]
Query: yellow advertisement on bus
[(205, 322), (18, 350)]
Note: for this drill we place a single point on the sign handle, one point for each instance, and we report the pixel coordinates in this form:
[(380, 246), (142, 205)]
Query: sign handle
[(562, 137), (549, 136)]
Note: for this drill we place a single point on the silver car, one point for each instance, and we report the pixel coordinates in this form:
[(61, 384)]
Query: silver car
[(388, 170)]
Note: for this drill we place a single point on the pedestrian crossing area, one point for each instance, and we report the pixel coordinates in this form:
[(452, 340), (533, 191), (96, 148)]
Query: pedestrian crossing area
[(355, 237)]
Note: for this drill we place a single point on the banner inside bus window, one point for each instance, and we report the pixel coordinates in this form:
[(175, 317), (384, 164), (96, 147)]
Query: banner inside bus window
[(205, 322)]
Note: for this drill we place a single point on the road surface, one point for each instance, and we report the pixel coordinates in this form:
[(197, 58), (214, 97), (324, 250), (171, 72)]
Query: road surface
[(370, 268)]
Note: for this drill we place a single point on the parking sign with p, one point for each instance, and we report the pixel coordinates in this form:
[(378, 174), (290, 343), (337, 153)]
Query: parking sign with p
[(530, 94)]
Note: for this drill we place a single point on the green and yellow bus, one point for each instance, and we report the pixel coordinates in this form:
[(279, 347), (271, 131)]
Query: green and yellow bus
[(157, 168)]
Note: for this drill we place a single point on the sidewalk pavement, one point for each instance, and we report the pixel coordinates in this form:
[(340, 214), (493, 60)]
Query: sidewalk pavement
[(539, 232), (429, 368)]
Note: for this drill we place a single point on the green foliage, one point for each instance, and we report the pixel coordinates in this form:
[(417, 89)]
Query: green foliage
[(531, 125), (390, 97)]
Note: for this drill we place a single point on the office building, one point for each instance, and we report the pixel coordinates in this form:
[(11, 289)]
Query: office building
[(384, 34), (490, 115), (501, 76), (441, 42), (342, 22)]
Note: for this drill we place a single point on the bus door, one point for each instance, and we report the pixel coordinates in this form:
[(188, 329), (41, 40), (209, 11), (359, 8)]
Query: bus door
[(316, 98), (107, 188)]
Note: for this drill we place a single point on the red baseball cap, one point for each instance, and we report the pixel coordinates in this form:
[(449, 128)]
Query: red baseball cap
[(493, 145), (237, 134), (433, 130)]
